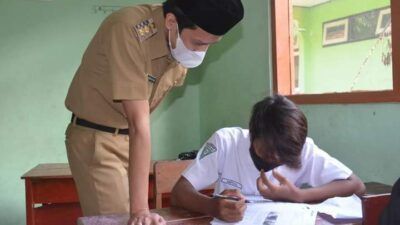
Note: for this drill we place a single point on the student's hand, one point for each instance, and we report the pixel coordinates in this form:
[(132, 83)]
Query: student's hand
[(230, 210), (285, 191), (146, 218)]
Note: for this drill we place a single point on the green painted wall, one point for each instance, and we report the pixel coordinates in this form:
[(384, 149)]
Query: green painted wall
[(237, 72), (363, 136), (41, 46), (332, 68), (42, 43)]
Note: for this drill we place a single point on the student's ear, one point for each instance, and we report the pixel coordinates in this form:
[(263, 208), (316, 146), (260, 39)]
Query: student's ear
[(170, 21)]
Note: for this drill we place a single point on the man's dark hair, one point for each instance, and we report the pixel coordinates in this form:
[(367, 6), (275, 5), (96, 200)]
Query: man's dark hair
[(170, 6), (282, 128)]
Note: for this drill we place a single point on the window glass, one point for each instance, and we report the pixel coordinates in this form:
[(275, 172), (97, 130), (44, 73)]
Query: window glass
[(341, 46)]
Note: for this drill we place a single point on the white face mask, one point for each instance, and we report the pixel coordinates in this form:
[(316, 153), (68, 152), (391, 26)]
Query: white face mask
[(184, 56)]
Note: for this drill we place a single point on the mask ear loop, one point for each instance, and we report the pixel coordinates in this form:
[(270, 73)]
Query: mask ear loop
[(169, 36)]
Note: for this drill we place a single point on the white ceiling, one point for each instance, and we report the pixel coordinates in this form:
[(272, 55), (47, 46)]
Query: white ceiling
[(308, 3)]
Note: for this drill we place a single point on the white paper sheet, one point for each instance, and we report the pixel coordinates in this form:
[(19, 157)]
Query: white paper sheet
[(266, 212), (274, 213), (341, 207)]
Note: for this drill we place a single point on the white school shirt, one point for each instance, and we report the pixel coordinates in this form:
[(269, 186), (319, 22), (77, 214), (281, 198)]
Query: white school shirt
[(225, 160)]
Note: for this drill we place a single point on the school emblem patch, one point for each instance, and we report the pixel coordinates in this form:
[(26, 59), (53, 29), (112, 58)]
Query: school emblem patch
[(231, 183), (207, 150), (145, 29)]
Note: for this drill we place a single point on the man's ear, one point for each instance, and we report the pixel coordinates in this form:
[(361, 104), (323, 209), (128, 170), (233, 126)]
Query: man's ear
[(170, 21)]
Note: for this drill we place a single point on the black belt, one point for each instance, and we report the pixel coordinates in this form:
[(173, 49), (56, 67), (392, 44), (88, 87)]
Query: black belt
[(85, 123)]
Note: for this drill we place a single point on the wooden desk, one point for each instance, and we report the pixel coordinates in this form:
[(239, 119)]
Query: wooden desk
[(173, 216), (51, 196)]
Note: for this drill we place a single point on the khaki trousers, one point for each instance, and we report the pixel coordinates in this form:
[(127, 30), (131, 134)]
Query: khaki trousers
[(99, 163)]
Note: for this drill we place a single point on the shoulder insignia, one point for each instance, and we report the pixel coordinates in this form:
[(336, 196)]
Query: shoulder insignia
[(207, 150), (145, 29)]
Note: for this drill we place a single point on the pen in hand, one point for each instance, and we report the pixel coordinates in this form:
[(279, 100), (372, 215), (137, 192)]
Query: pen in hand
[(234, 198)]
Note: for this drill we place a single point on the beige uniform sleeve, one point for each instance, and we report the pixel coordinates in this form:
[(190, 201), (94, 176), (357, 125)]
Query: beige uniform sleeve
[(127, 64), (181, 79)]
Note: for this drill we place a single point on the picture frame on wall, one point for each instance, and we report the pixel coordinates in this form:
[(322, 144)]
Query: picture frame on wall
[(362, 26), (384, 19), (335, 32)]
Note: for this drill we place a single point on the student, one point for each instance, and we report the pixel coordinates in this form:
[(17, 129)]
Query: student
[(235, 160), (136, 57)]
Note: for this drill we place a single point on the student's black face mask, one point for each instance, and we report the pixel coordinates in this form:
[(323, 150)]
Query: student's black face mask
[(260, 163)]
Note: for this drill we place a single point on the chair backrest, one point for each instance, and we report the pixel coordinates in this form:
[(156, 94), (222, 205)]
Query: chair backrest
[(391, 214), (374, 202), (373, 206), (166, 174)]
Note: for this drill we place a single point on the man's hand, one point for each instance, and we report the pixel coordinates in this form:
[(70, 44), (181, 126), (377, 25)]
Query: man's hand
[(146, 218), (230, 210), (285, 191)]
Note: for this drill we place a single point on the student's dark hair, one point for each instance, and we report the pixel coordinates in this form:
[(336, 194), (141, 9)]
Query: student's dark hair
[(170, 6), (281, 126)]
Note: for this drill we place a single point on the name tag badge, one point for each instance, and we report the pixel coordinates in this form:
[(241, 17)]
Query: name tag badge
[(151, 78)]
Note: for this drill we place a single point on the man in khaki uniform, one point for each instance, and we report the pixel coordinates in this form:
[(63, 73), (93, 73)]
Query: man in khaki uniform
[(137, 55)]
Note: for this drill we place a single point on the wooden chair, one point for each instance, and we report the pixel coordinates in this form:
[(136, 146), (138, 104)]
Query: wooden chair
[(166, 174), (374, 202)]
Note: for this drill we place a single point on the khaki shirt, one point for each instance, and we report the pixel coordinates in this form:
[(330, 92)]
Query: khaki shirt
[(127, 59)]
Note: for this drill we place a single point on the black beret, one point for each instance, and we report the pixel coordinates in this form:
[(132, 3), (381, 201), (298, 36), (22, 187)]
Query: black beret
[(214, 16)]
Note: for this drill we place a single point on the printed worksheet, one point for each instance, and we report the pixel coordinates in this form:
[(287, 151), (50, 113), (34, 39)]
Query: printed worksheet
[(275, 213), (266, 212)]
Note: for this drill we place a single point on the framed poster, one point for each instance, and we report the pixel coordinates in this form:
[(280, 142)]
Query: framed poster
[(335, 32), (384, 19), (362, 26)]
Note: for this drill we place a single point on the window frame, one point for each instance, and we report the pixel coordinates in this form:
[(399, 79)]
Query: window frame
[(283, 66)]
